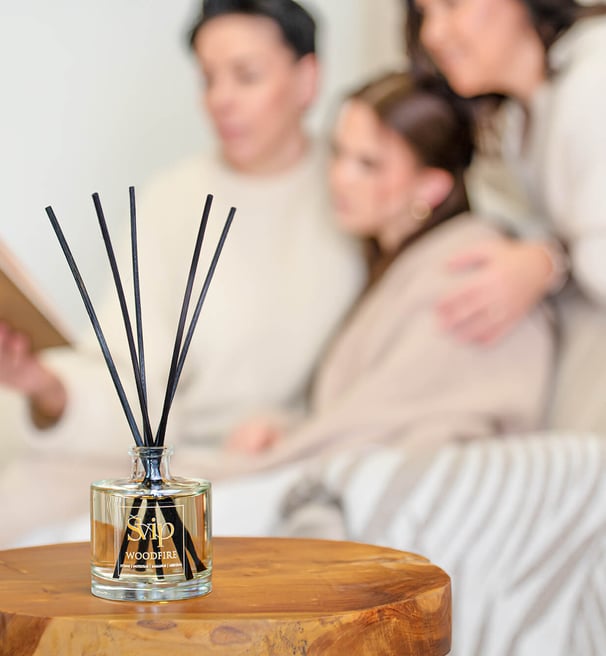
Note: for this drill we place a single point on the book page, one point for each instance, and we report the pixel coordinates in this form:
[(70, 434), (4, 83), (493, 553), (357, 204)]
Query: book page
[(24, 308)]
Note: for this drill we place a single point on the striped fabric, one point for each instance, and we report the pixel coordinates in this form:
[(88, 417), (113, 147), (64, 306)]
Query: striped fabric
[(519, 524)]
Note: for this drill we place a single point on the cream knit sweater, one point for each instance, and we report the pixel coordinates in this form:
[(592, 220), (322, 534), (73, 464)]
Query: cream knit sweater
[(285, 279)]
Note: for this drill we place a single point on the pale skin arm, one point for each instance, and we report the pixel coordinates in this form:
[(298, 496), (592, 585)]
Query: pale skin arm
[(508, 279), (22, 371)]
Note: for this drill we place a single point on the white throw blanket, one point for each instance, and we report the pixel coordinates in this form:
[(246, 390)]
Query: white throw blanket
[(518, 524)]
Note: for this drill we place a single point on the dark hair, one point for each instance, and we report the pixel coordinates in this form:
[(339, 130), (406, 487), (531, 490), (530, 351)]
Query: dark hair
[(551, 18), (437, 125), (296, 24)]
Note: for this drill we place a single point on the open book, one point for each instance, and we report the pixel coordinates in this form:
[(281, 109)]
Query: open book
[(23, 307)]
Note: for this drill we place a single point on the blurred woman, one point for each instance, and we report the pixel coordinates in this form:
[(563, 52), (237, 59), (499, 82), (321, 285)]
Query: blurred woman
[(545, 59), (284, 261), (392, 375), (285, 279)]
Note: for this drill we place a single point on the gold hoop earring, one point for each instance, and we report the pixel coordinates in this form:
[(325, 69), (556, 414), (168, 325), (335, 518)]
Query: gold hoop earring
[(420, 210)]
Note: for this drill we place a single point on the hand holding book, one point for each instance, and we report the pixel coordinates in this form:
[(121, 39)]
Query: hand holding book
[(27, 325)]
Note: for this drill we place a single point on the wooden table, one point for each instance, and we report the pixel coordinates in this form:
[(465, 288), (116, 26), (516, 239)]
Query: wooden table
[(270, 596)]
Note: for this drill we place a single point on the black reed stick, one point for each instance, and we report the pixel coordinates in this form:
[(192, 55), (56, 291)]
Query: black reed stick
[(96, 325), (137, 293), (170, 513), (147, 432), (183, 316), (135, 508), (174, 379)]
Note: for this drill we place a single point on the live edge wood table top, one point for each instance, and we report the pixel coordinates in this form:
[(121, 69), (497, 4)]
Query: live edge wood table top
[(279, 597)]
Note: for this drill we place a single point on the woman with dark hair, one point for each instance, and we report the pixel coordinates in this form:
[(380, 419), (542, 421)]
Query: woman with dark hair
[(284, 260), (537, 69), (286, 278), (400, 151)]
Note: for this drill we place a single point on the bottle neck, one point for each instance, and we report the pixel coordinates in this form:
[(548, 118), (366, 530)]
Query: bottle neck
[(151, 464)]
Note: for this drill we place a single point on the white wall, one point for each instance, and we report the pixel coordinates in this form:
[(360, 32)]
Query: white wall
[(96, 96)]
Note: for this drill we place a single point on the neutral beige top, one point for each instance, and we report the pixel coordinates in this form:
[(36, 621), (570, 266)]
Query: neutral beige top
[(393, 376)]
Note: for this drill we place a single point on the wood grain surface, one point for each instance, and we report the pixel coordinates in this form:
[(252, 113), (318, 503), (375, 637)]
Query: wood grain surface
[(270, 596)]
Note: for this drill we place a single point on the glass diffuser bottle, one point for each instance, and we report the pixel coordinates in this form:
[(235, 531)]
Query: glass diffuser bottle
[(151, 533)]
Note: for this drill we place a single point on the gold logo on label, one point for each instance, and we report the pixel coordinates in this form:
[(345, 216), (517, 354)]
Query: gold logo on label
[(153, 530)]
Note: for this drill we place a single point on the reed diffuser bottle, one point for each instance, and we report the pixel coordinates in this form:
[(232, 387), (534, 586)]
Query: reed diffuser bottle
[(150, 533)]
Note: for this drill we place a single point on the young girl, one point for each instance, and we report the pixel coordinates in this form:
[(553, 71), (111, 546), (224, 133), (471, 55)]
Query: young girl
[(392, 374)]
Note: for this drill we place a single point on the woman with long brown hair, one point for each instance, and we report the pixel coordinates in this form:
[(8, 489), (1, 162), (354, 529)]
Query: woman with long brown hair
[(400, 151)]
